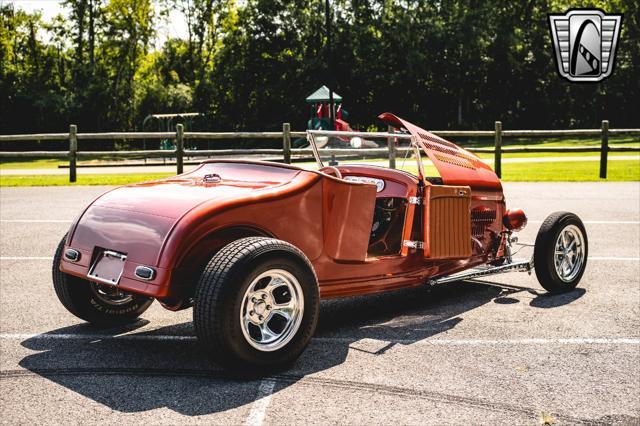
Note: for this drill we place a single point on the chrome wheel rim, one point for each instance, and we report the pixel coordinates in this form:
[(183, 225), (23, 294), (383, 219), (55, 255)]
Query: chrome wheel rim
[(569, 253), (110, 295), (271, 310)]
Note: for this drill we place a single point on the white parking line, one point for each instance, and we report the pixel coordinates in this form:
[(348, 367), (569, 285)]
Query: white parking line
[(34, 221), (612, 222), (430, 342), (491, 342), (624, 259), (600, 222), (53, 336), (26, 258), (261, 403)]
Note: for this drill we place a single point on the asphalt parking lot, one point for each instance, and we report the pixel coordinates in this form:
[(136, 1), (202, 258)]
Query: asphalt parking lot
[(499, 351)]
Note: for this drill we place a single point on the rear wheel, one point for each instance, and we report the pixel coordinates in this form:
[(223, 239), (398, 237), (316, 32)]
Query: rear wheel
[(98, 304), (560, 253), (256, 304)]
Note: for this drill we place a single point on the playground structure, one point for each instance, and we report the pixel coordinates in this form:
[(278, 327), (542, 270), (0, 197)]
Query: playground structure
[(167, 123), (325, 115)]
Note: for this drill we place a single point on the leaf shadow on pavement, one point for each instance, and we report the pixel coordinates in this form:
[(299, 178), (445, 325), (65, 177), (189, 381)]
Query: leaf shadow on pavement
[(129, 373)]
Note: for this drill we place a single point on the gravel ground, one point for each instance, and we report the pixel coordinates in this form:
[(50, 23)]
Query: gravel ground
[(499, 351)]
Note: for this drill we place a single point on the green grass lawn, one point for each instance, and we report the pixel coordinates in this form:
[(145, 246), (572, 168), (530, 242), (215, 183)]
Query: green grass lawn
[(43, 163), (61, 180), (623, 170), (619, 170), (40, 163), (546, 142), (490, 156), (567, 171), (627, 141), (53, 163)]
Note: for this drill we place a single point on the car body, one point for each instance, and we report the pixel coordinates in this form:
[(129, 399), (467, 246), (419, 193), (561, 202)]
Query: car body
[(174, 225), (362, 229)]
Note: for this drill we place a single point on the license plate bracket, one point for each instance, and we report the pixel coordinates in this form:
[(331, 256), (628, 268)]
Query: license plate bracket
[(108, 267)]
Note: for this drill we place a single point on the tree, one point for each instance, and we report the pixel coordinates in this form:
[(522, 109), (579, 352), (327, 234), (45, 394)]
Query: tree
[(249, 64)]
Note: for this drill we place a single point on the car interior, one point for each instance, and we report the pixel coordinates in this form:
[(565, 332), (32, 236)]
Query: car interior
[(390, 206), (391, 203), (387, 227)]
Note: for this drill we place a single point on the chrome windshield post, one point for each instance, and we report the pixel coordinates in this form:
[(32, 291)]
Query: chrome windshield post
[(312, 141), (416, 150)]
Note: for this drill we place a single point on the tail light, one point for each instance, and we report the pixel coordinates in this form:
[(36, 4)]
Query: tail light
[(72, 255), (145, 272), (514, 219)]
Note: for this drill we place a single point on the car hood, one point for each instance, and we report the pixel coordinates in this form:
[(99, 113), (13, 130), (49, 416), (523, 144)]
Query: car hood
[(136, 219), (456, 166)]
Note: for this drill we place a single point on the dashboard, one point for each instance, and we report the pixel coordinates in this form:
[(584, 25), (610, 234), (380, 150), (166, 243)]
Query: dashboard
[(389, 183), (379, 183)]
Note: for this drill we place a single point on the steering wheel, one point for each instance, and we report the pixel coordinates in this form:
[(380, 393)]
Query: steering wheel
[(330, 170)]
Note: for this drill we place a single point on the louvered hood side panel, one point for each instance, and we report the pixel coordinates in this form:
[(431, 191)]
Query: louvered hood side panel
[(447, 219)]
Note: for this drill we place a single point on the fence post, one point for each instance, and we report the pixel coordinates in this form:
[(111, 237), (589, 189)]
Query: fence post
[(497, 162), (604, 149), (391, 144), (73, 151), (286, 142), (180, 148)]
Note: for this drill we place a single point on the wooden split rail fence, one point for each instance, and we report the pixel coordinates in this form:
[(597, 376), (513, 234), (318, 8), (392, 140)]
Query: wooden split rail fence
[(286, 135)]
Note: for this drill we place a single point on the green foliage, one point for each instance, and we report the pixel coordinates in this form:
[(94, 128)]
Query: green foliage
[(249, 64)]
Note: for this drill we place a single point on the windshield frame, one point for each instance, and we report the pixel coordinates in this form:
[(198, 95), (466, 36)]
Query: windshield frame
[(312, 134)]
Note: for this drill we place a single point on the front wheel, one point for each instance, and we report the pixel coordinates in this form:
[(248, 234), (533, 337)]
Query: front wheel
[(256, 304), (560, 253)]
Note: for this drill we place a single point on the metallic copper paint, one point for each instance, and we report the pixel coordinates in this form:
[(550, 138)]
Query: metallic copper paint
[(478, 175), (347, 218), (175, 224)]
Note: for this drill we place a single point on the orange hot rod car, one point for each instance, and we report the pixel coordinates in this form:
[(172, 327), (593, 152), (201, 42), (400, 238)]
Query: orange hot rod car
[(253, 246)]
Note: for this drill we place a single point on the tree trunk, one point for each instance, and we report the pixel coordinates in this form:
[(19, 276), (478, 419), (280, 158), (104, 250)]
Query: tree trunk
[(80, 12), (33, 47), (92, 34), (460, 109)]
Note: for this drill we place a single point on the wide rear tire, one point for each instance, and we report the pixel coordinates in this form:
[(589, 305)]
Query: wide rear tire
[(256, 304), (98, 304), (560, 253)]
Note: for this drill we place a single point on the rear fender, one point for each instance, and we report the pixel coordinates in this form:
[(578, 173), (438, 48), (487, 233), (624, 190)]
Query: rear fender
[(191, 264), (206, 229), (200, 253), (291, 212)]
